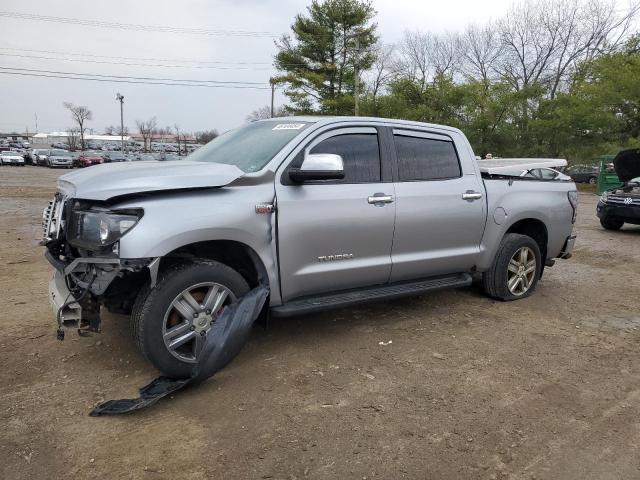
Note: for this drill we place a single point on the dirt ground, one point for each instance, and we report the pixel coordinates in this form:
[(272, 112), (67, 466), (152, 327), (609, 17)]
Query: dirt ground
[(545, 388)]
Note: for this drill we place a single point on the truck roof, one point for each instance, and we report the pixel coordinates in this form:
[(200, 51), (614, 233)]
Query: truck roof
[(328, 119)]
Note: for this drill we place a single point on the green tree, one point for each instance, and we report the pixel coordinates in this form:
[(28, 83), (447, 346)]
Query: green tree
[(329, 45)]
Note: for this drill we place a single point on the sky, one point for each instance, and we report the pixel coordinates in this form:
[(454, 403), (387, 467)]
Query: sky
[(114, 51)]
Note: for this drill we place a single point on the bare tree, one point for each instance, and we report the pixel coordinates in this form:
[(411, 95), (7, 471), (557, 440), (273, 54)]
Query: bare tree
[(111, 130), (177, 127), (544, 41), (585, 29), (72, 137), (479, 48), (382, 71), (445, 54), (206, 136), (146, 129), (80, 115), (263, 113), (415, 57)]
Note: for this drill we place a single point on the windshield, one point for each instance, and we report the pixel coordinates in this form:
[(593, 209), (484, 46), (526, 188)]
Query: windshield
[(250, 147), (60, 153)]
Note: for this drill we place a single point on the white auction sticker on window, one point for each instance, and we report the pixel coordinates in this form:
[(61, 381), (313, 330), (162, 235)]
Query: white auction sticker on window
[(288, 126)]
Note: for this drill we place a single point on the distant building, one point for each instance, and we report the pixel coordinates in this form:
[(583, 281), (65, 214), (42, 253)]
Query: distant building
[(61, 137), (164, 138)]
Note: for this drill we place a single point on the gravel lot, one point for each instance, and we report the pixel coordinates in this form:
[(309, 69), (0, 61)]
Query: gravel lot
[(547, 387)]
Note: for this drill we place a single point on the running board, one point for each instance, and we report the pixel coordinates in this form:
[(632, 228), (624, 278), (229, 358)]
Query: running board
[(371, 294)]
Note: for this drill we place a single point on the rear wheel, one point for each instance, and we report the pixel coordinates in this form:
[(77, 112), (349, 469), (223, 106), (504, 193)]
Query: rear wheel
[(516, 268), (593, 180), (611, 223), (170, 322)]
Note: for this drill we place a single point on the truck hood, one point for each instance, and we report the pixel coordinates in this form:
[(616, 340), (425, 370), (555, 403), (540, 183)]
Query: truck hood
[(106, 181), (627, 164)]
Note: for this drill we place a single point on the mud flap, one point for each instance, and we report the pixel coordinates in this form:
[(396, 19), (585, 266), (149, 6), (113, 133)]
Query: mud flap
[(225, 340)]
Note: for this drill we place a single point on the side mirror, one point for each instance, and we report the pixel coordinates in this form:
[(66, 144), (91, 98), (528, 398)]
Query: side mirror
[(318, 166)]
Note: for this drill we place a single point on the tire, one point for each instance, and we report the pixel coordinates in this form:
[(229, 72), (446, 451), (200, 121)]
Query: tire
[(153, 312), (593, 180), (611, 223), (496, 280)]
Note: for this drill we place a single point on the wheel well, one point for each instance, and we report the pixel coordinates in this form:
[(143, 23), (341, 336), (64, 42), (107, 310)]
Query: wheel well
[(534, 229), (236, 255)]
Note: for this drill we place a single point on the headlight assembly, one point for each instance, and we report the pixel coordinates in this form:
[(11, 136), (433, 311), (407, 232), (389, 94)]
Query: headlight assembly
[(604, 197), (97, 228)]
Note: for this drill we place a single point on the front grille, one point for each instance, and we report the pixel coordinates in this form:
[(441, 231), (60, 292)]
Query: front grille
[(52, 219), (623, 200)]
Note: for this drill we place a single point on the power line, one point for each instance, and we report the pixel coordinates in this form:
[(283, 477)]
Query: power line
[(118, 80), (138, 27), (105, 62), (174, 60), (136, 78)]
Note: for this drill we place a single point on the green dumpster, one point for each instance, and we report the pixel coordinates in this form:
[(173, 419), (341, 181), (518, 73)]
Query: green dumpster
[(607, 178)]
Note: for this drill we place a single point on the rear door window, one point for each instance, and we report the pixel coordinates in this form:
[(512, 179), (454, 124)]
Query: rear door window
[(423, 158)]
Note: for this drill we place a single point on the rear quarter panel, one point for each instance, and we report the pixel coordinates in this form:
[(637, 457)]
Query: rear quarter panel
[(507, 204)]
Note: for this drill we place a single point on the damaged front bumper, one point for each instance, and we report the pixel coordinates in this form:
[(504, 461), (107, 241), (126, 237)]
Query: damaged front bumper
[(78, 286)]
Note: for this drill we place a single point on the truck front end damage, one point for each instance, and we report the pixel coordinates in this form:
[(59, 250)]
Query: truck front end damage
[(82, 242)]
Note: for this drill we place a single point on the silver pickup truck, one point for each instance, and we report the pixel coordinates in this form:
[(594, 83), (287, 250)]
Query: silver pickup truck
[(325, 212)]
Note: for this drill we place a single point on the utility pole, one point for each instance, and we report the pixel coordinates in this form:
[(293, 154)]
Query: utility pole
[(120, 98), (273, 93), (36, 115), (356, 86)]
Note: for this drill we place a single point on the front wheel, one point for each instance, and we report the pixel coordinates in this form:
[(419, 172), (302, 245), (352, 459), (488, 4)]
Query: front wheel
[(610, 223), (593, 180), (516, 268), (170, 322)]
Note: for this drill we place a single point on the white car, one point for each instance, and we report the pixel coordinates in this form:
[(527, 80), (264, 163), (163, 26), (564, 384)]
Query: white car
[(11, 158), (541, 173)]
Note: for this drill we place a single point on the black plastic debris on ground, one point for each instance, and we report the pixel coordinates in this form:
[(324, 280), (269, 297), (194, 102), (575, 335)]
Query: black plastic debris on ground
[(223, 342)]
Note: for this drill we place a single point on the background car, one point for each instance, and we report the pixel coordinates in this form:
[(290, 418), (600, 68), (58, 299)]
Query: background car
[(58, 158), (144, 157), (584, 174), (543, 173), (169, 156), (9, 157), (113, 157), (87, 159), (39, 156)]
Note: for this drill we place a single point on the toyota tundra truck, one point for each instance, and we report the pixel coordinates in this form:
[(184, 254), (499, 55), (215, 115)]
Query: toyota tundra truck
[(324, 212)]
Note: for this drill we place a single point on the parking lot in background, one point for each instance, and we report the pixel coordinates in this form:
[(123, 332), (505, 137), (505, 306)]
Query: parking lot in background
[(445, 385)]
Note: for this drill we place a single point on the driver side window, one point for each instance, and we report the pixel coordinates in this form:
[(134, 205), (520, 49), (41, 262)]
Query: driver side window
[(360, 153)]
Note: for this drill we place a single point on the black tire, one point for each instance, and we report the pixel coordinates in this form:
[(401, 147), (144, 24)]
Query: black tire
[(593, 180), (495, 280), (151, 306), (611, 223)]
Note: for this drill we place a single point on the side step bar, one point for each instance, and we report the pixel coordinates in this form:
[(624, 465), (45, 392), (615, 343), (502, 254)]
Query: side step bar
[(371, 294)]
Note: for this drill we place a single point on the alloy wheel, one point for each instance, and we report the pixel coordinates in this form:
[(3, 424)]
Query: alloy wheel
[(521, 271), (191, 315)]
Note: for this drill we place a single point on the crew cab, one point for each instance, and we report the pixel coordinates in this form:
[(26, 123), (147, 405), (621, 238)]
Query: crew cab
[(325, 212), (621, 204)]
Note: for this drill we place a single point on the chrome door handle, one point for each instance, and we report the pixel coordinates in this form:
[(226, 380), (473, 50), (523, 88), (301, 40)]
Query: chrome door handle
[(380, 198), (471, 195)]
